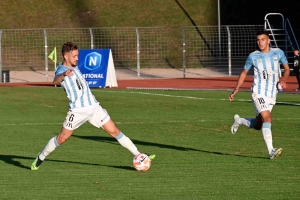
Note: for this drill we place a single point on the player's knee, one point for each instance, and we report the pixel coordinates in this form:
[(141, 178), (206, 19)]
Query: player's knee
[(60, 141), (267, 119), (111, 128), (114, 132)]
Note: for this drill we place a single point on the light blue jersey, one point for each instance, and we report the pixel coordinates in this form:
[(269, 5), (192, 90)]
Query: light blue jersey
[(266, 70), (76, 88)]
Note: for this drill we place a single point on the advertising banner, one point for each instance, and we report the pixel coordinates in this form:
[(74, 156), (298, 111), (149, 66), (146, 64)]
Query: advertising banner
[(97, 67)]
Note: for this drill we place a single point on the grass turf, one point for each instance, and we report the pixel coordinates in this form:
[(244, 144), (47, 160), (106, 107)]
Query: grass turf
[(189, 131)]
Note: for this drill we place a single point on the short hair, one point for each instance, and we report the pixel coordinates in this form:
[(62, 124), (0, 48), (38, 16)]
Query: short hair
[(263, 33), (67, 47)]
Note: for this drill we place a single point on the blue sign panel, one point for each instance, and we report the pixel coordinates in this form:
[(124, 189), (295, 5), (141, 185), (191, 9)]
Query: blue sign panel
[(93, 64)]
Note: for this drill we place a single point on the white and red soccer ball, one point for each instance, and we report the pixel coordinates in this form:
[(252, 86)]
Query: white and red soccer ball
[(141, 162)]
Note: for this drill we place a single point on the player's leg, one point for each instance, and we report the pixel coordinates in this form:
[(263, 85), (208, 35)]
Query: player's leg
[(258, 122), (72, 121), (101, 118), (63, 136), (237, 121), (111, 129), (51, 146), (266, 129), (265, 108), (249, 122)]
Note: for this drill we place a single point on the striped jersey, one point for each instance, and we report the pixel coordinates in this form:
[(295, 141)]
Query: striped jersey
[(266, 68), (76, 88)]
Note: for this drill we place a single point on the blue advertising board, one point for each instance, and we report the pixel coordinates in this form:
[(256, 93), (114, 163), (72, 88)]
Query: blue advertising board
[(93, 64)]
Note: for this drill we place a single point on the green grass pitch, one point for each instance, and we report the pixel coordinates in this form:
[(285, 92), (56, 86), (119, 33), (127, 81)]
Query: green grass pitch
[(189, 131)]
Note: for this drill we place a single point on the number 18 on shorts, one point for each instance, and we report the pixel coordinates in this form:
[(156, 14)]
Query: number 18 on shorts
[(262, 103)]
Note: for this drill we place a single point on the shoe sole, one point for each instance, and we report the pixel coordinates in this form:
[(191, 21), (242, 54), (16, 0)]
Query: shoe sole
[(232, 127), (278, 153), (232, 130)]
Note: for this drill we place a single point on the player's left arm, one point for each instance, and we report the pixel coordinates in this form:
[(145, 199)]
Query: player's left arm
[(286, 67), (284, 62), (285, 76)]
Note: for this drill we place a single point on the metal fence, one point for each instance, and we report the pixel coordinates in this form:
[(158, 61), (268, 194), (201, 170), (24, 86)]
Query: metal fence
[(134, 49)]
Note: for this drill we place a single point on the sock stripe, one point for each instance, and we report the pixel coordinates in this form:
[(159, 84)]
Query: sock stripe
[(266, 125), (119, 136), (55, 142)]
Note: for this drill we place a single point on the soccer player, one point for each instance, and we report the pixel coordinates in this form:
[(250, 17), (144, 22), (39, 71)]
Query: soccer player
[(296, 68), (83, 107), (267, 80)]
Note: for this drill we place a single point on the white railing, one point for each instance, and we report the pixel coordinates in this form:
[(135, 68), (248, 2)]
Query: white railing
[(136, 49)]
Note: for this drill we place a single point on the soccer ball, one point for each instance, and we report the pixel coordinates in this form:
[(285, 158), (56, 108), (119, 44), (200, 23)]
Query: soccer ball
[(141, 162)]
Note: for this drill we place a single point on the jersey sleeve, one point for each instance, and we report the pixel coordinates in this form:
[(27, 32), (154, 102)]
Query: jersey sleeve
[(60, 69), (283, 59), (249, 63)]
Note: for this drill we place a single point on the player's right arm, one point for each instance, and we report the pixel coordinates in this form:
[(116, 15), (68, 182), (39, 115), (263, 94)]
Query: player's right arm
[(242, 77), (238, 84), (60, 73)]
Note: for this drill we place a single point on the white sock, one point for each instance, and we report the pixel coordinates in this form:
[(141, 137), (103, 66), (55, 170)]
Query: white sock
[(52, 144), (249, 122), (127, 143), (267, 134)]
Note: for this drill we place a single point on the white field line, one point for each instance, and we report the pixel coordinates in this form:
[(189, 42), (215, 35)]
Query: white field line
[(162, 122), (146, 122), (189, 97)]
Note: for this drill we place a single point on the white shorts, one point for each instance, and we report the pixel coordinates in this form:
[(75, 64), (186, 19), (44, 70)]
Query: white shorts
[(95, 115), (262, 103)]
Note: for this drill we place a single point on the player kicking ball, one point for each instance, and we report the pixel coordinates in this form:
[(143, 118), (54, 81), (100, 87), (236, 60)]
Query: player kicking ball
[(267, 82), (83, 107)]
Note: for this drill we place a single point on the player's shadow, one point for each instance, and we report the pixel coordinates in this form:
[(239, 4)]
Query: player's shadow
[(167, 146), (12, 160)]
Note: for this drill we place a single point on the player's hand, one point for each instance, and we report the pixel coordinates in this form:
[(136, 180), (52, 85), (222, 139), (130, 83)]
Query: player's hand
[(231, 96), (283, 84), (69, 72)]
